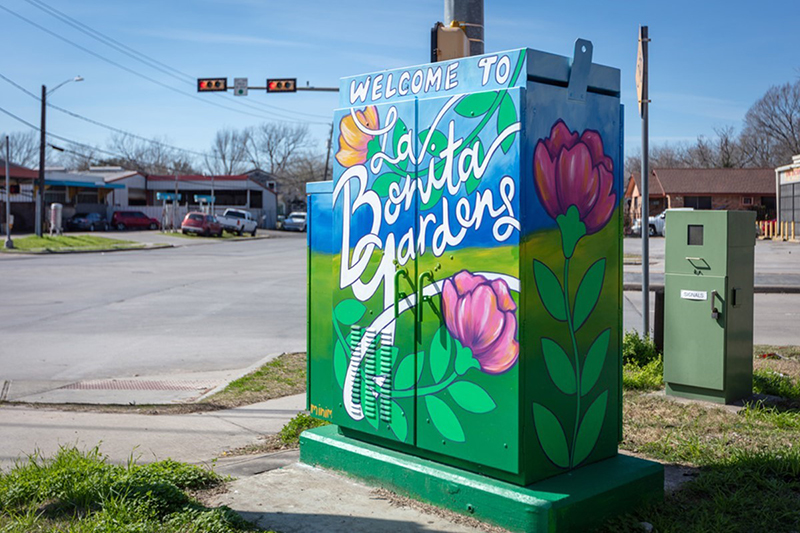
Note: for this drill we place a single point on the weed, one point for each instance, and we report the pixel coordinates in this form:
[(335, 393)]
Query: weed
[(80, 492), (290, 434)]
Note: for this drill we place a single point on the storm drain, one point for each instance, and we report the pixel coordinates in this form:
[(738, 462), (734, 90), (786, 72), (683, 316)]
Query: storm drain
[(140, 384)]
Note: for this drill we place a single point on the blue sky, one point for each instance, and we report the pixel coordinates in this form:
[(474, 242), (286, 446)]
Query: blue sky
[(710, 60)]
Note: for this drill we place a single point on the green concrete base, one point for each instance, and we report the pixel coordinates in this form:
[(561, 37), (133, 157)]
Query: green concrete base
[(575, 501), (707, 395)]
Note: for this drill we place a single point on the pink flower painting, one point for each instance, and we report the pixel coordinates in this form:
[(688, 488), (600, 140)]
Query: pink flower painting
[(481, 315)]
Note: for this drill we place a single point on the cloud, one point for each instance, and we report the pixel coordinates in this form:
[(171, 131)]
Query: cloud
[(700, 105)]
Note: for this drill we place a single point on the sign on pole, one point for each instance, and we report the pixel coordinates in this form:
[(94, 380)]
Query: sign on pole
[(240, 86), (640, 75)]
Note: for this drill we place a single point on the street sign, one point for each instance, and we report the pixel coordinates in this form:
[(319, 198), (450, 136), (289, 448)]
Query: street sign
[(168, 196), (240, 86), (640, 81), (204, 198)]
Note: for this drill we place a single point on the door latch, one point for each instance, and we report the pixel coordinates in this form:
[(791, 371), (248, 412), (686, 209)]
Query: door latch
[(714, 310)]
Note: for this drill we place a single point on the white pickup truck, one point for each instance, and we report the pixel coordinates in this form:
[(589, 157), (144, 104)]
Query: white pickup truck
[(238, 221), (658, 223)]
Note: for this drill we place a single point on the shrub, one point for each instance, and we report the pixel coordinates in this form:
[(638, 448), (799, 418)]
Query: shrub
[(638, 350), (290, 434)]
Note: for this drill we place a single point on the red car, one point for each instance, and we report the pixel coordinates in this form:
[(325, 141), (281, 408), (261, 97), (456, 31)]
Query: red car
[(132, 219), (201, 224)]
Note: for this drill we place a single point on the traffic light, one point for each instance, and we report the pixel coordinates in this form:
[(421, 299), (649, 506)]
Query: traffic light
[(205, 85), (283, 85)]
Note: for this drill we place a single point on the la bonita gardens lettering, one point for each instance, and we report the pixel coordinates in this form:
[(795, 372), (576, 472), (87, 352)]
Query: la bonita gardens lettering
[(424, 80)]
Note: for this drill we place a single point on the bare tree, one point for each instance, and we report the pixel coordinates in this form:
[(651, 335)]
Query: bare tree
[(775, 118), (24, 147), (273, 147), (149, 157), (229, 152)]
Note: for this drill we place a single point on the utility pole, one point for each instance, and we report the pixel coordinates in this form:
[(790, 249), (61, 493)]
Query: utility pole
[(9, 242), (469, 13), (643, 93), (40, 181), (328, 157)]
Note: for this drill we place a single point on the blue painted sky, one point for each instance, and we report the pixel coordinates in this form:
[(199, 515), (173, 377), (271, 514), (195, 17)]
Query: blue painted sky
[(709, 60)]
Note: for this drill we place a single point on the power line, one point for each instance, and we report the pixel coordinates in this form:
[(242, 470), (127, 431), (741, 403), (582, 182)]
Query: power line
[(102, 125), (135, 54), (127, 69)]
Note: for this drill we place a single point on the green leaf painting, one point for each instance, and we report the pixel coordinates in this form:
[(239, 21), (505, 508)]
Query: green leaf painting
[(471, 397), (339, 364), (384, 181), (559, 366), (590, 427), (550, 291), (506, 116), (595, 359), (551, 435), (399, 423), (475, 104), (464, 359), (436, 143), (348, 312), (444, 419), (406, 376), (588, 292), (440, 353)]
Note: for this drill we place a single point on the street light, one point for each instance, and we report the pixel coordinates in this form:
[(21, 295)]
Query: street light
[(42, 141)]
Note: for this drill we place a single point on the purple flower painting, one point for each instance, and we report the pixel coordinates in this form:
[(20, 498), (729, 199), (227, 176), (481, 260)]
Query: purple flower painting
[(573, 170)]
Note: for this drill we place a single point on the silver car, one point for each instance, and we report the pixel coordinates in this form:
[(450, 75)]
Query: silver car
[(295, 221)]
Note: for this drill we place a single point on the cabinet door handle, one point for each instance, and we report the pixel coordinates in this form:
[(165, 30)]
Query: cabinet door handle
[(714, 311)]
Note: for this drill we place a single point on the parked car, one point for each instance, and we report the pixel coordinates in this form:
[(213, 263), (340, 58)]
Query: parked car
[(295, 221), (87, 222), (123, 220), (657, 224), (201, 224), (238, 221)]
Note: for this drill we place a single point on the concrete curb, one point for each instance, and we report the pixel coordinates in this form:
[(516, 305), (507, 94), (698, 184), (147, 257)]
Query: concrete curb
[(758, 289), (101, 251)]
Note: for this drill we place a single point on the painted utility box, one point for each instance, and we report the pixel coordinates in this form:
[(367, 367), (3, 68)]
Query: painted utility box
[(708, 305), (465, 264)]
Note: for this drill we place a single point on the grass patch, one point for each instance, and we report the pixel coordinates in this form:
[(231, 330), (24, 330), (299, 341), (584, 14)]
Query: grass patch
[(283, 376), (81, 492), (750, 491), (69, 243), (225, 235), (287, 439)]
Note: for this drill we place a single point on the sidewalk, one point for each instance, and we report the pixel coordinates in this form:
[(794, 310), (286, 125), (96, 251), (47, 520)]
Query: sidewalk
[(193, 438)]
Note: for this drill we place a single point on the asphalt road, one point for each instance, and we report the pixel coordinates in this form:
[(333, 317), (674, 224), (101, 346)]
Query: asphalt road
[(220, 306), (206, 307)]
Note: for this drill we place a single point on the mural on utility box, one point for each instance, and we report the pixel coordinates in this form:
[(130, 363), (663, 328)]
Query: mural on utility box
[(469, 270)]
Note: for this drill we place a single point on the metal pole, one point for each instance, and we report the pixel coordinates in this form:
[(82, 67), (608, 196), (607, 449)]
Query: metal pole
[(645, 189), (328, 157), (470, 13), (213, 198), (40, 195), (9, 242)]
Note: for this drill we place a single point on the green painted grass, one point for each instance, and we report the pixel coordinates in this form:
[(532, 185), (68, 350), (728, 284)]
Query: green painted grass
[(69, 243), (80, 492)]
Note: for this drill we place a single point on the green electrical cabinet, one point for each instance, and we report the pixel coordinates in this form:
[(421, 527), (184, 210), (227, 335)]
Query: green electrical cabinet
[(708, 306)]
